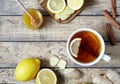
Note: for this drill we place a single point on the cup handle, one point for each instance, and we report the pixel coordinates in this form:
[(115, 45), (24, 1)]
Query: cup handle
[(106, 58)]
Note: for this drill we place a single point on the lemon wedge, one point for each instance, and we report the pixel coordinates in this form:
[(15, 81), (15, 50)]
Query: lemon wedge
[(46, 76), (56, 6), (75, 4), (74, 46), (27, 69)]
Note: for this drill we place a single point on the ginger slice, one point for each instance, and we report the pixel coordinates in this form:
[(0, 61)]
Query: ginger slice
[(54, 61), (63, 17), (62, 64), (64, 14)]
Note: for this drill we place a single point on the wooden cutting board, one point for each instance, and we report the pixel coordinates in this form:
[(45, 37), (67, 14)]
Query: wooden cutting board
[(43, 3)]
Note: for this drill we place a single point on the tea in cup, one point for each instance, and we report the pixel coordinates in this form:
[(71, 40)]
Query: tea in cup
[(86, 47)]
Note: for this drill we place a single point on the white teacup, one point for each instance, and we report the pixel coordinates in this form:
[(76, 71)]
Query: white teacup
[(101, 55)]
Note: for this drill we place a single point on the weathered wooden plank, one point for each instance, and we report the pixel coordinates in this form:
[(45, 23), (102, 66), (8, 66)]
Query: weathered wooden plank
[(13, 29), (12, 52), (10, 7), (7, 76)]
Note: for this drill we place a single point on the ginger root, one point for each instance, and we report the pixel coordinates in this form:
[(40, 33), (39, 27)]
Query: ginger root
[(72, 73), (113, 76), (97, 79)]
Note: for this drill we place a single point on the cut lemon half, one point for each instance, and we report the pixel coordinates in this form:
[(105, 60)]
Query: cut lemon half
[(56, 6), (75, 4), (46, 76)]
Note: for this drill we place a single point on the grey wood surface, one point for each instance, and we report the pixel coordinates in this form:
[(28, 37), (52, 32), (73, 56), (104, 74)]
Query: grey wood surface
[(13, 29), (18, 42), (7, 76), (12, 52)]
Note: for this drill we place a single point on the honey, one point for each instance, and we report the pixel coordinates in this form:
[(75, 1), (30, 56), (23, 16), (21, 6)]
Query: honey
[(89, 48), (27, 20)]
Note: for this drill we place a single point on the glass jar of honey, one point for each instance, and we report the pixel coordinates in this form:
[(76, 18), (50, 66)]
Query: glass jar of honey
[(27, 20)]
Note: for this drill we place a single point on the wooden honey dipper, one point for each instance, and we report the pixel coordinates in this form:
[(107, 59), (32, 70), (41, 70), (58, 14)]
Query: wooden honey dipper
[(34, 21)]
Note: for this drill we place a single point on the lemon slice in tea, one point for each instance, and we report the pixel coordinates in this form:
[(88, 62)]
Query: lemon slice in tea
[(46, 76), (74, 46), (56, 6)]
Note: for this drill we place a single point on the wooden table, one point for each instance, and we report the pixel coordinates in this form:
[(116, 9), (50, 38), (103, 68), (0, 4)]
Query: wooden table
[(18, 42)]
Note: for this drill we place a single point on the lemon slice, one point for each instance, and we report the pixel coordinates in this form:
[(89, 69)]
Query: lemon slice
[(46, 76), (56, 6), (74, 46), (75, 4)]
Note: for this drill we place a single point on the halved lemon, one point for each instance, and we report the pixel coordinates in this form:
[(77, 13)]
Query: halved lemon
[(46, 76), (75, 4), (56, 6)]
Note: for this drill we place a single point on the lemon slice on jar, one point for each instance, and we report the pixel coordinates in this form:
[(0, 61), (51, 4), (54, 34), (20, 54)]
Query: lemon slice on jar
[(46, 76), (56, 6), (75, 4)]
